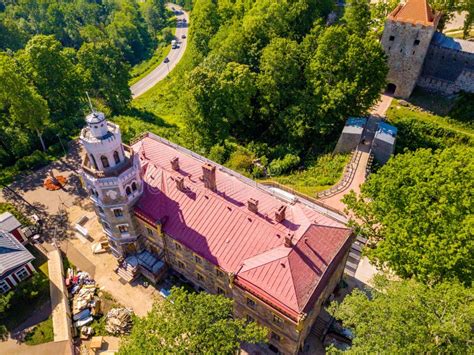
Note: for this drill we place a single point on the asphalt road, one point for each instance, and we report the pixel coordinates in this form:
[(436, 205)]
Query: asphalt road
[(174, 56)]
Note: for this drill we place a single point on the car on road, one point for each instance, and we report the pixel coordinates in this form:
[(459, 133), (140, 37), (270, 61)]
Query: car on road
[(183, 36), (167, 60)]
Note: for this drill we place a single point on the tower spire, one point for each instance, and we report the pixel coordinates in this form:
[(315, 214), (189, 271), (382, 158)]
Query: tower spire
[(90, 102)]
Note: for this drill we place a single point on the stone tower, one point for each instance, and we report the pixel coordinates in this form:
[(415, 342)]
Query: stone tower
[(406, 38), (111, 173)]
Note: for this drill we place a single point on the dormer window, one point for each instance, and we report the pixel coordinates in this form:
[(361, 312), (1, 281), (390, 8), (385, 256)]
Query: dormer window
[(105, 161)]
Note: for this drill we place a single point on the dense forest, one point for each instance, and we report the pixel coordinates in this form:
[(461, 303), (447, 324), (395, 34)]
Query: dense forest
[(53, 52)]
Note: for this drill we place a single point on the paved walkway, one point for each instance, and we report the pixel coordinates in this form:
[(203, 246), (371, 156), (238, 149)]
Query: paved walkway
[(377, 113), (174, 56)]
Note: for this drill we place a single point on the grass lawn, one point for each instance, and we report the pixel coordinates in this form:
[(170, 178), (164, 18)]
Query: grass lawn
[(423, 124), (42, 333), (29, 295), (320, 175)]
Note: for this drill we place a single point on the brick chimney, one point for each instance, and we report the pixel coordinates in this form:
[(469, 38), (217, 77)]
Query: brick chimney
[(180, 183), (252, 205), (289, 240), (280, 213), (209, 176), (175, 164)]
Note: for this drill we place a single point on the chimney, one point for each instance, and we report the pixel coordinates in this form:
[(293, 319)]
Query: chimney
[(252, 205), (209, 176), (180, 183), (175, 164), (280, 213), (289, 241)]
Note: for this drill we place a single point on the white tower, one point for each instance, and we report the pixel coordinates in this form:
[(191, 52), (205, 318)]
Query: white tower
[(111, 173)]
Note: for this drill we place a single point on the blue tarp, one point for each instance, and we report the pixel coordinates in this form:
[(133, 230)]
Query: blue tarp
[(387, 129), (356, 121)]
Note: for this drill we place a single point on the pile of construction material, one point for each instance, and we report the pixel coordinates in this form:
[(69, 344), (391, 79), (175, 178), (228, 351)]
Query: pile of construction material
[(119, 321), (85, 303)]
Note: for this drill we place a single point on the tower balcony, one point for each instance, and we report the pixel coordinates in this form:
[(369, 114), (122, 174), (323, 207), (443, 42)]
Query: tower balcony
[(112, 132), (115, 171)]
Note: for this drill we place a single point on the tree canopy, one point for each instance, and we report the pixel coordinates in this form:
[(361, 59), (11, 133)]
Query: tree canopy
[(409, 317), (192, 323), (417, 213)]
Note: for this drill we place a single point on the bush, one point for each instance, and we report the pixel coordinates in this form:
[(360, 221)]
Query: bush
[(36, 160), (241, 161), (218, 153), (285, 165)]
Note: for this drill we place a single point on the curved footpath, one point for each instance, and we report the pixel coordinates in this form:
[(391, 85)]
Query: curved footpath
[(174, 56)]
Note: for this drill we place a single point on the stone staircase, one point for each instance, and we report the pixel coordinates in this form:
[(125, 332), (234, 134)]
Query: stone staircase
[(127, 272), (354, 256), (321, 324)]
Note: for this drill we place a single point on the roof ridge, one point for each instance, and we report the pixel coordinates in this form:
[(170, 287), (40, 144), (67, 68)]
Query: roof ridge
[(280, 252)]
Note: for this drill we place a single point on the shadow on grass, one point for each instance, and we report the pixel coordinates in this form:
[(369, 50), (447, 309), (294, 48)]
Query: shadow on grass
[(148, 116)]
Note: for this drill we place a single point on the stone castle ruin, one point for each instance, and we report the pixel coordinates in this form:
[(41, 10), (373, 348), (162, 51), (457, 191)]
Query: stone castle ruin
[(419, 55)]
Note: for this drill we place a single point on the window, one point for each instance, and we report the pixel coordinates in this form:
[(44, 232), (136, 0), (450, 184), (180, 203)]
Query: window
[(177, 246), (251, 303), (116, 157), (101, 210), (181, 265), (104, 161), (123, 228), (277, 320), (220, 291), (417, 42), (118, 212), (249, 318), (391, 38), (197, 259), (275, 336), (22, 274), (94, 162), (149, 231), (128, 191), (4, 286), (200, 277), (219, 273), (106, 225), (134, 186)]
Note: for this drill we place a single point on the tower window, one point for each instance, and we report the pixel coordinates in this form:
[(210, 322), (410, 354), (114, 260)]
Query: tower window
[(391, 38), (116, 157), (128, 191), (118, 212), (94, 162), (134, 186), (417, 42), (123, 228), (105, 161)]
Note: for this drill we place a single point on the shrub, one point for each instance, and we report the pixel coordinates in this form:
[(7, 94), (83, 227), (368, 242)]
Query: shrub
[(285, 165), (240, 161), (218, 154), (36, 160)]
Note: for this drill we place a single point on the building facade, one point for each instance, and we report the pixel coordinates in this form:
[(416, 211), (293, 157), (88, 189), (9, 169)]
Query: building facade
[(419, 55), (277, 256), (15, 262), (111, 174)]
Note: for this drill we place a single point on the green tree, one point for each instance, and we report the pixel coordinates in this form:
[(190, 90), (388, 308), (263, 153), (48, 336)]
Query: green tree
[(54, 75), (193, 323), (357, 16), (346, 74), (105, 74), (23, 103), (409, 317), (4, 305), (416, 212), (220, 96), (154, 13), (205, 25)]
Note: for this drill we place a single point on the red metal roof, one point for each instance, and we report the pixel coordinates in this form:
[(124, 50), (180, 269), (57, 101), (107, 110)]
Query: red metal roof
[(415, 12), (219, 227)]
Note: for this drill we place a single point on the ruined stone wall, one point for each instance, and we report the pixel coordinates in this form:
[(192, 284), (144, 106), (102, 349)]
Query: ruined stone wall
[(406, 46), (447, 71)]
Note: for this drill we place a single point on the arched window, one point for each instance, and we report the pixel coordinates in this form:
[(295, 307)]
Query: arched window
[(134, 186), (94, 162), (128, 191), (105, 161), (116, 157)]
